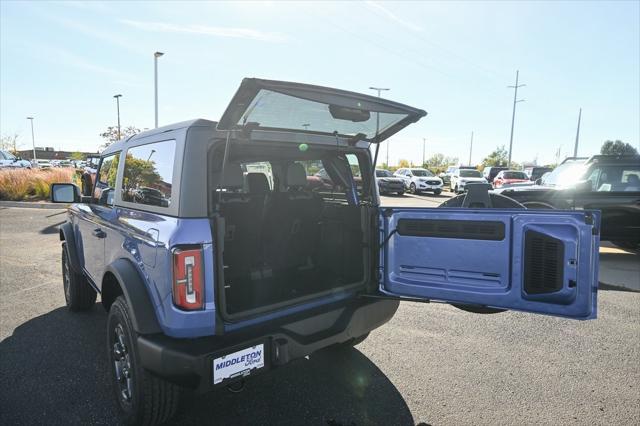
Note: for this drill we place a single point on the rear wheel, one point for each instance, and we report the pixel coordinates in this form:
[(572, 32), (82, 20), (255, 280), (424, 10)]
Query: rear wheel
[(400, 192), (142, 397), (78, 293), (455, 190)]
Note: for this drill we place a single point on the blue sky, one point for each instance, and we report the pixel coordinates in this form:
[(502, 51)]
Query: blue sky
[(63, 61)]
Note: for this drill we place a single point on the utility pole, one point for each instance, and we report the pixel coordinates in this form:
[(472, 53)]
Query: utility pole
[(388, 153), (470, 149), (513, 116), (156, 55), (575, 147), (375, 158), (33, 139), (424, 146), (118, 107)]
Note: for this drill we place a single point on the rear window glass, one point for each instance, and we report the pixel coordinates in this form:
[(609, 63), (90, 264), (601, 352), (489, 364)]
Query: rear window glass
[(148, 174), (514, 175), (470, 173), (276, 110), (421, 172)]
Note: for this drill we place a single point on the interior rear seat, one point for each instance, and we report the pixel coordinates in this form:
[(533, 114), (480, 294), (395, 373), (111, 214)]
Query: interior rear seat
[(292, 222), (243, 213)]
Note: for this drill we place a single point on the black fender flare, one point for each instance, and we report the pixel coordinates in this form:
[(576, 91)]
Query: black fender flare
[(66, 235), (142, 312)]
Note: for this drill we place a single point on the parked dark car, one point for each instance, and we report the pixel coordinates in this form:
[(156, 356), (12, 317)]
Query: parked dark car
[(388, 183), (535, 173), (607, 183)]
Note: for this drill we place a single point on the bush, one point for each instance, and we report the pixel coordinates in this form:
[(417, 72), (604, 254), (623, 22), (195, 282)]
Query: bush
[(31, 185)]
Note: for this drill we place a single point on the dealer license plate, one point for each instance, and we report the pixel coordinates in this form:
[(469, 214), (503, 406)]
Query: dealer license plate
[(239, 363)]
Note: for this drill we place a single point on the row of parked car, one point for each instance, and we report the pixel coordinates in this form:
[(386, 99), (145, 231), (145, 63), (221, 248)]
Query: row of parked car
[(8, 160)]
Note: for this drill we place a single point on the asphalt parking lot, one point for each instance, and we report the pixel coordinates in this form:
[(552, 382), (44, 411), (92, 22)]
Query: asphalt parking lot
[(432, 363)]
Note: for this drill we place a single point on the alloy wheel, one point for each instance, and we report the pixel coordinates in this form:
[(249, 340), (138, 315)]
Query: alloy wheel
[(122, 365)]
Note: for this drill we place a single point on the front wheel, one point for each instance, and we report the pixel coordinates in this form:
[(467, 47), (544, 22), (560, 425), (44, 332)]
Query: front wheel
[(141, 397), (412, 188), (438, 191), (78, 293)]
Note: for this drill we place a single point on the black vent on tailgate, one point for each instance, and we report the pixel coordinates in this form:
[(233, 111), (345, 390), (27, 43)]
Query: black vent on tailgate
[(543, 263), (461, 229)]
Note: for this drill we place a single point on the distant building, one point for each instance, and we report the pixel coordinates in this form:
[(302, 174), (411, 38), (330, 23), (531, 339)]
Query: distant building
[(48, 153)]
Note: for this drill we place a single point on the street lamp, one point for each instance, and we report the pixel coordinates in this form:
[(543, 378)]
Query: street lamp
[(156, 55), (118, 107), (33, 139)]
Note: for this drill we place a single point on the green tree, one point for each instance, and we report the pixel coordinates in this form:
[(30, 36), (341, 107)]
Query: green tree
[(498, 157), (139, 172), (77, 156), (402, 163), (111, 134), (617, 147)]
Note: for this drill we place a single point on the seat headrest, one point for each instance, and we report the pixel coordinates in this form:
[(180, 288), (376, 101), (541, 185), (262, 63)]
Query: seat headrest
[(296, 176), (257, 183), (232, 178)]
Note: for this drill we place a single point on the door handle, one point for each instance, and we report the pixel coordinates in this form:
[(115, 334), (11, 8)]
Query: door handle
[(99, 233)]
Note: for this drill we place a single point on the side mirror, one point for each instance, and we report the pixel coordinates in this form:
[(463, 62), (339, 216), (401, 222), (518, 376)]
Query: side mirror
[(64, 193)]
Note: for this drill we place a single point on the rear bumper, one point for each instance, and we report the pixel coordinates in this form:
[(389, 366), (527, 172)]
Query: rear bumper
[(394, 187), (189, 362)]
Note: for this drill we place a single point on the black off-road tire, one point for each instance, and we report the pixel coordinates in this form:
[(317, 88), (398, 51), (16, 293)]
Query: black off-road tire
[(152, 400), (438, 191), (78, 293)]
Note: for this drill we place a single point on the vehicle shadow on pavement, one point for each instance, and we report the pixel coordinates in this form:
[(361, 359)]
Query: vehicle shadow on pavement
[(54, 370)]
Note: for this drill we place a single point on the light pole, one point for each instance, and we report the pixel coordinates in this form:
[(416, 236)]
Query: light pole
[(118, 107), (513, 116), (424, 150), (306, 126), (375, 158), (33, 139), (575, 148), (156, 55), (470, 149)]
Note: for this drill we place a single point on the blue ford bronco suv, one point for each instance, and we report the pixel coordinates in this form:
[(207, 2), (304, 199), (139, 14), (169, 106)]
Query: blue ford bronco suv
[(216, 260)]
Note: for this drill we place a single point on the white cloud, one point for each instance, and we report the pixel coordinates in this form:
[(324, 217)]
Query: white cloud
[(383, 11), (244, 33)]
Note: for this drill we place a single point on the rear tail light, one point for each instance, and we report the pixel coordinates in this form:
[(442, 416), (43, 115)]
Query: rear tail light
[(188, 285)]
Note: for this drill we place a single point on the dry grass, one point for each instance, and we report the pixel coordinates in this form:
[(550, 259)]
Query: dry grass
[(31, 185)]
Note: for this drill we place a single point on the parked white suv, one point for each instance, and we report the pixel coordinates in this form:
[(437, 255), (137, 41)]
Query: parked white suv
[(7, 159), (461, 177), (420, 180)]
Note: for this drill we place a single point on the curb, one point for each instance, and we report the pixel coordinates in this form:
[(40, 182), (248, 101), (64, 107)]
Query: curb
[(33, 205)]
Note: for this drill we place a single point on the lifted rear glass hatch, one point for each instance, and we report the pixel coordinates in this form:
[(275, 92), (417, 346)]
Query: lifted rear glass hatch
[(304, 108)]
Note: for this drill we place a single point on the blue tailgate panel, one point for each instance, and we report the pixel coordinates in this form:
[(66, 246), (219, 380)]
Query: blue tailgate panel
[(534, 261)]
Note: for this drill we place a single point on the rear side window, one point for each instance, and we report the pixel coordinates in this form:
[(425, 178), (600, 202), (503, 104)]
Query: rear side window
[(148, 174)]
